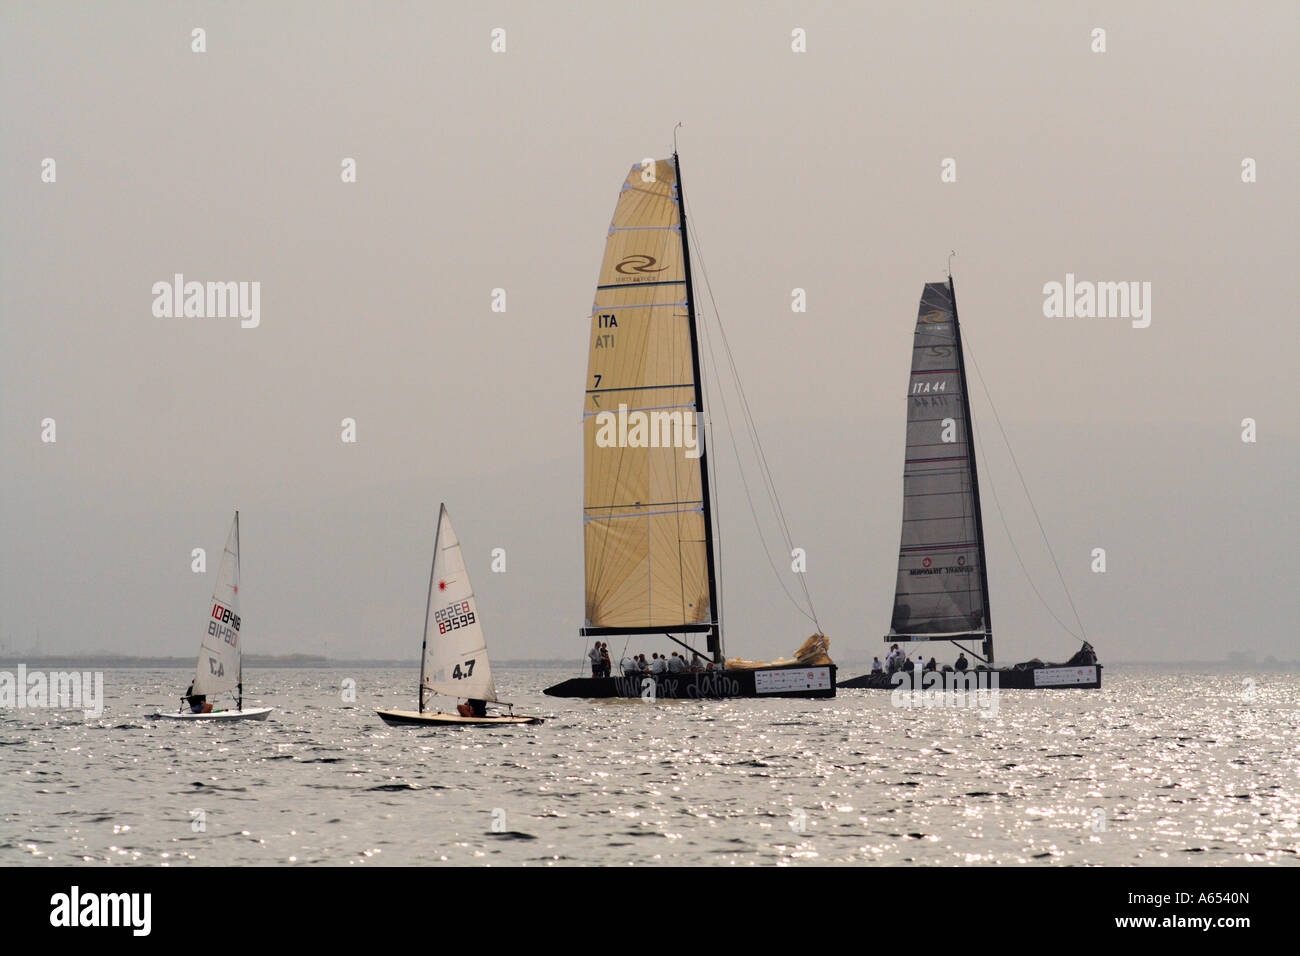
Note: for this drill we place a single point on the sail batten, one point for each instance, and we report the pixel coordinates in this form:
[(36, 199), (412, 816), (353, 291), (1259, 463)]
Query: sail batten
[(941, 591), (645, 517)]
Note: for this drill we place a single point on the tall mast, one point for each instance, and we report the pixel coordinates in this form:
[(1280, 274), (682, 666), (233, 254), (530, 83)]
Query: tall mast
[(974, 475), (239, 678), (715, 631), (428, 602)]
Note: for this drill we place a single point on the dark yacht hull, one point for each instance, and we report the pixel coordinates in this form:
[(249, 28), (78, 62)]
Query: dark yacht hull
[(788, 681), (1020, 677)]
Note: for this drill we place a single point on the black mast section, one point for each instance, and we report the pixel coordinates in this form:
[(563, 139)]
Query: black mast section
[(715, 632), (974, 476)]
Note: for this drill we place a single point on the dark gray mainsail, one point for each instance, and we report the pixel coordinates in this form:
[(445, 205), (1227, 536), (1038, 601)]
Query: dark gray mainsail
[(942, 591)]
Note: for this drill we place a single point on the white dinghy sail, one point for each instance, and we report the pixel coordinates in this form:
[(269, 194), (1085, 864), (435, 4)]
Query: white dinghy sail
[(454, 660), (220, 667), (220, 663)]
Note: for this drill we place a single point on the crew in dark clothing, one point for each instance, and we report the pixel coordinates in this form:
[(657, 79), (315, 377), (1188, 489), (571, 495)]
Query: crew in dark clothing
[(962, 663), (931, 665), (196, 701)]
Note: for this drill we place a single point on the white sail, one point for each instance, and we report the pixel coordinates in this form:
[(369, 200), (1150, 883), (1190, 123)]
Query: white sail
[(218, 666), (455, 651)]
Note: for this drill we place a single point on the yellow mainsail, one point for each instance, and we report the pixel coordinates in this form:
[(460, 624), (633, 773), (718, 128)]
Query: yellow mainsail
[(644, 516)]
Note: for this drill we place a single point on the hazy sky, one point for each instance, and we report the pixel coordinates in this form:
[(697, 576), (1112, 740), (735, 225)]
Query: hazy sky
[(479, 170)]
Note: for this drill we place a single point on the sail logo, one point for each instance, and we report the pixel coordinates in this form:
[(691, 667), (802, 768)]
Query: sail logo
[(58, 690), (130, 910), (638, 264), (955, 690), (1098, 300), (208, 300), (224, 625), (656, 428)]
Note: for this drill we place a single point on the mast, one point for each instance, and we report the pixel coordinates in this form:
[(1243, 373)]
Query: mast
[(239, 680), (428, 602), (974, 476), (715, 631)]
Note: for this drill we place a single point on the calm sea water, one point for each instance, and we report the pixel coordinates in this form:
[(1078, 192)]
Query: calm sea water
[(1160, 767)]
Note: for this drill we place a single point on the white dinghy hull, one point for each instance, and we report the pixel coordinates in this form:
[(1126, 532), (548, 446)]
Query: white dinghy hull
[(396, 718), (251, 713)]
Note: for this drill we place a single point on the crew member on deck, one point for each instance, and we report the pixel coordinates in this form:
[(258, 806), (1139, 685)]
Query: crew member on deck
[(962, 663), (594, 656), (876, 667)]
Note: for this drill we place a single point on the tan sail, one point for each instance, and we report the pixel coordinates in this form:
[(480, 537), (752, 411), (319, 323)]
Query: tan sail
[(643, 509)]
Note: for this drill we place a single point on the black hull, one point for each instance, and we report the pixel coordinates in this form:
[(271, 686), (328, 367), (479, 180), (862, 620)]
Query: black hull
[(1045, 677), (794, 681)]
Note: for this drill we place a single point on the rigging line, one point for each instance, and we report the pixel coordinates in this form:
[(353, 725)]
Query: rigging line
[(988, 474), (1006, 441), (765, 468), (767, 552), (752, 430)]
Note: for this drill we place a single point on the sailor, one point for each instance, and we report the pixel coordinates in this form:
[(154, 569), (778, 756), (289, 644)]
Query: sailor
[(876, 667), (606, 665), (677, 663), (477, 708), (659, 665), (696, 664), (931, 665), (594, 655), (962, 663), (630, 666), (198, 702)]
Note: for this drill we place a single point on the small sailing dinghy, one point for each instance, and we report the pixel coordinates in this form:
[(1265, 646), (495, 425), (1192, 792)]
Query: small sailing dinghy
[(220, 666), (455, 657), (942, 592), (648, 529)]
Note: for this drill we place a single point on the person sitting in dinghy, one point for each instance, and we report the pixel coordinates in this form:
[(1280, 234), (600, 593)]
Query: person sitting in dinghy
[(198, 702), (472, 708)]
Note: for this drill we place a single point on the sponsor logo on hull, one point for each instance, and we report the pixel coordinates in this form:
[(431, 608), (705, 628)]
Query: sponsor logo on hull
[(1055, 676), (793, 679)]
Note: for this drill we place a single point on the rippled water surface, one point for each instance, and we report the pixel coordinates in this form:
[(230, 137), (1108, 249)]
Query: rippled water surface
[(1159, 767)]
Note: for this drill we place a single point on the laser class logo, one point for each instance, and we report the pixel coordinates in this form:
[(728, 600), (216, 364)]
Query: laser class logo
[(638, 264)]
